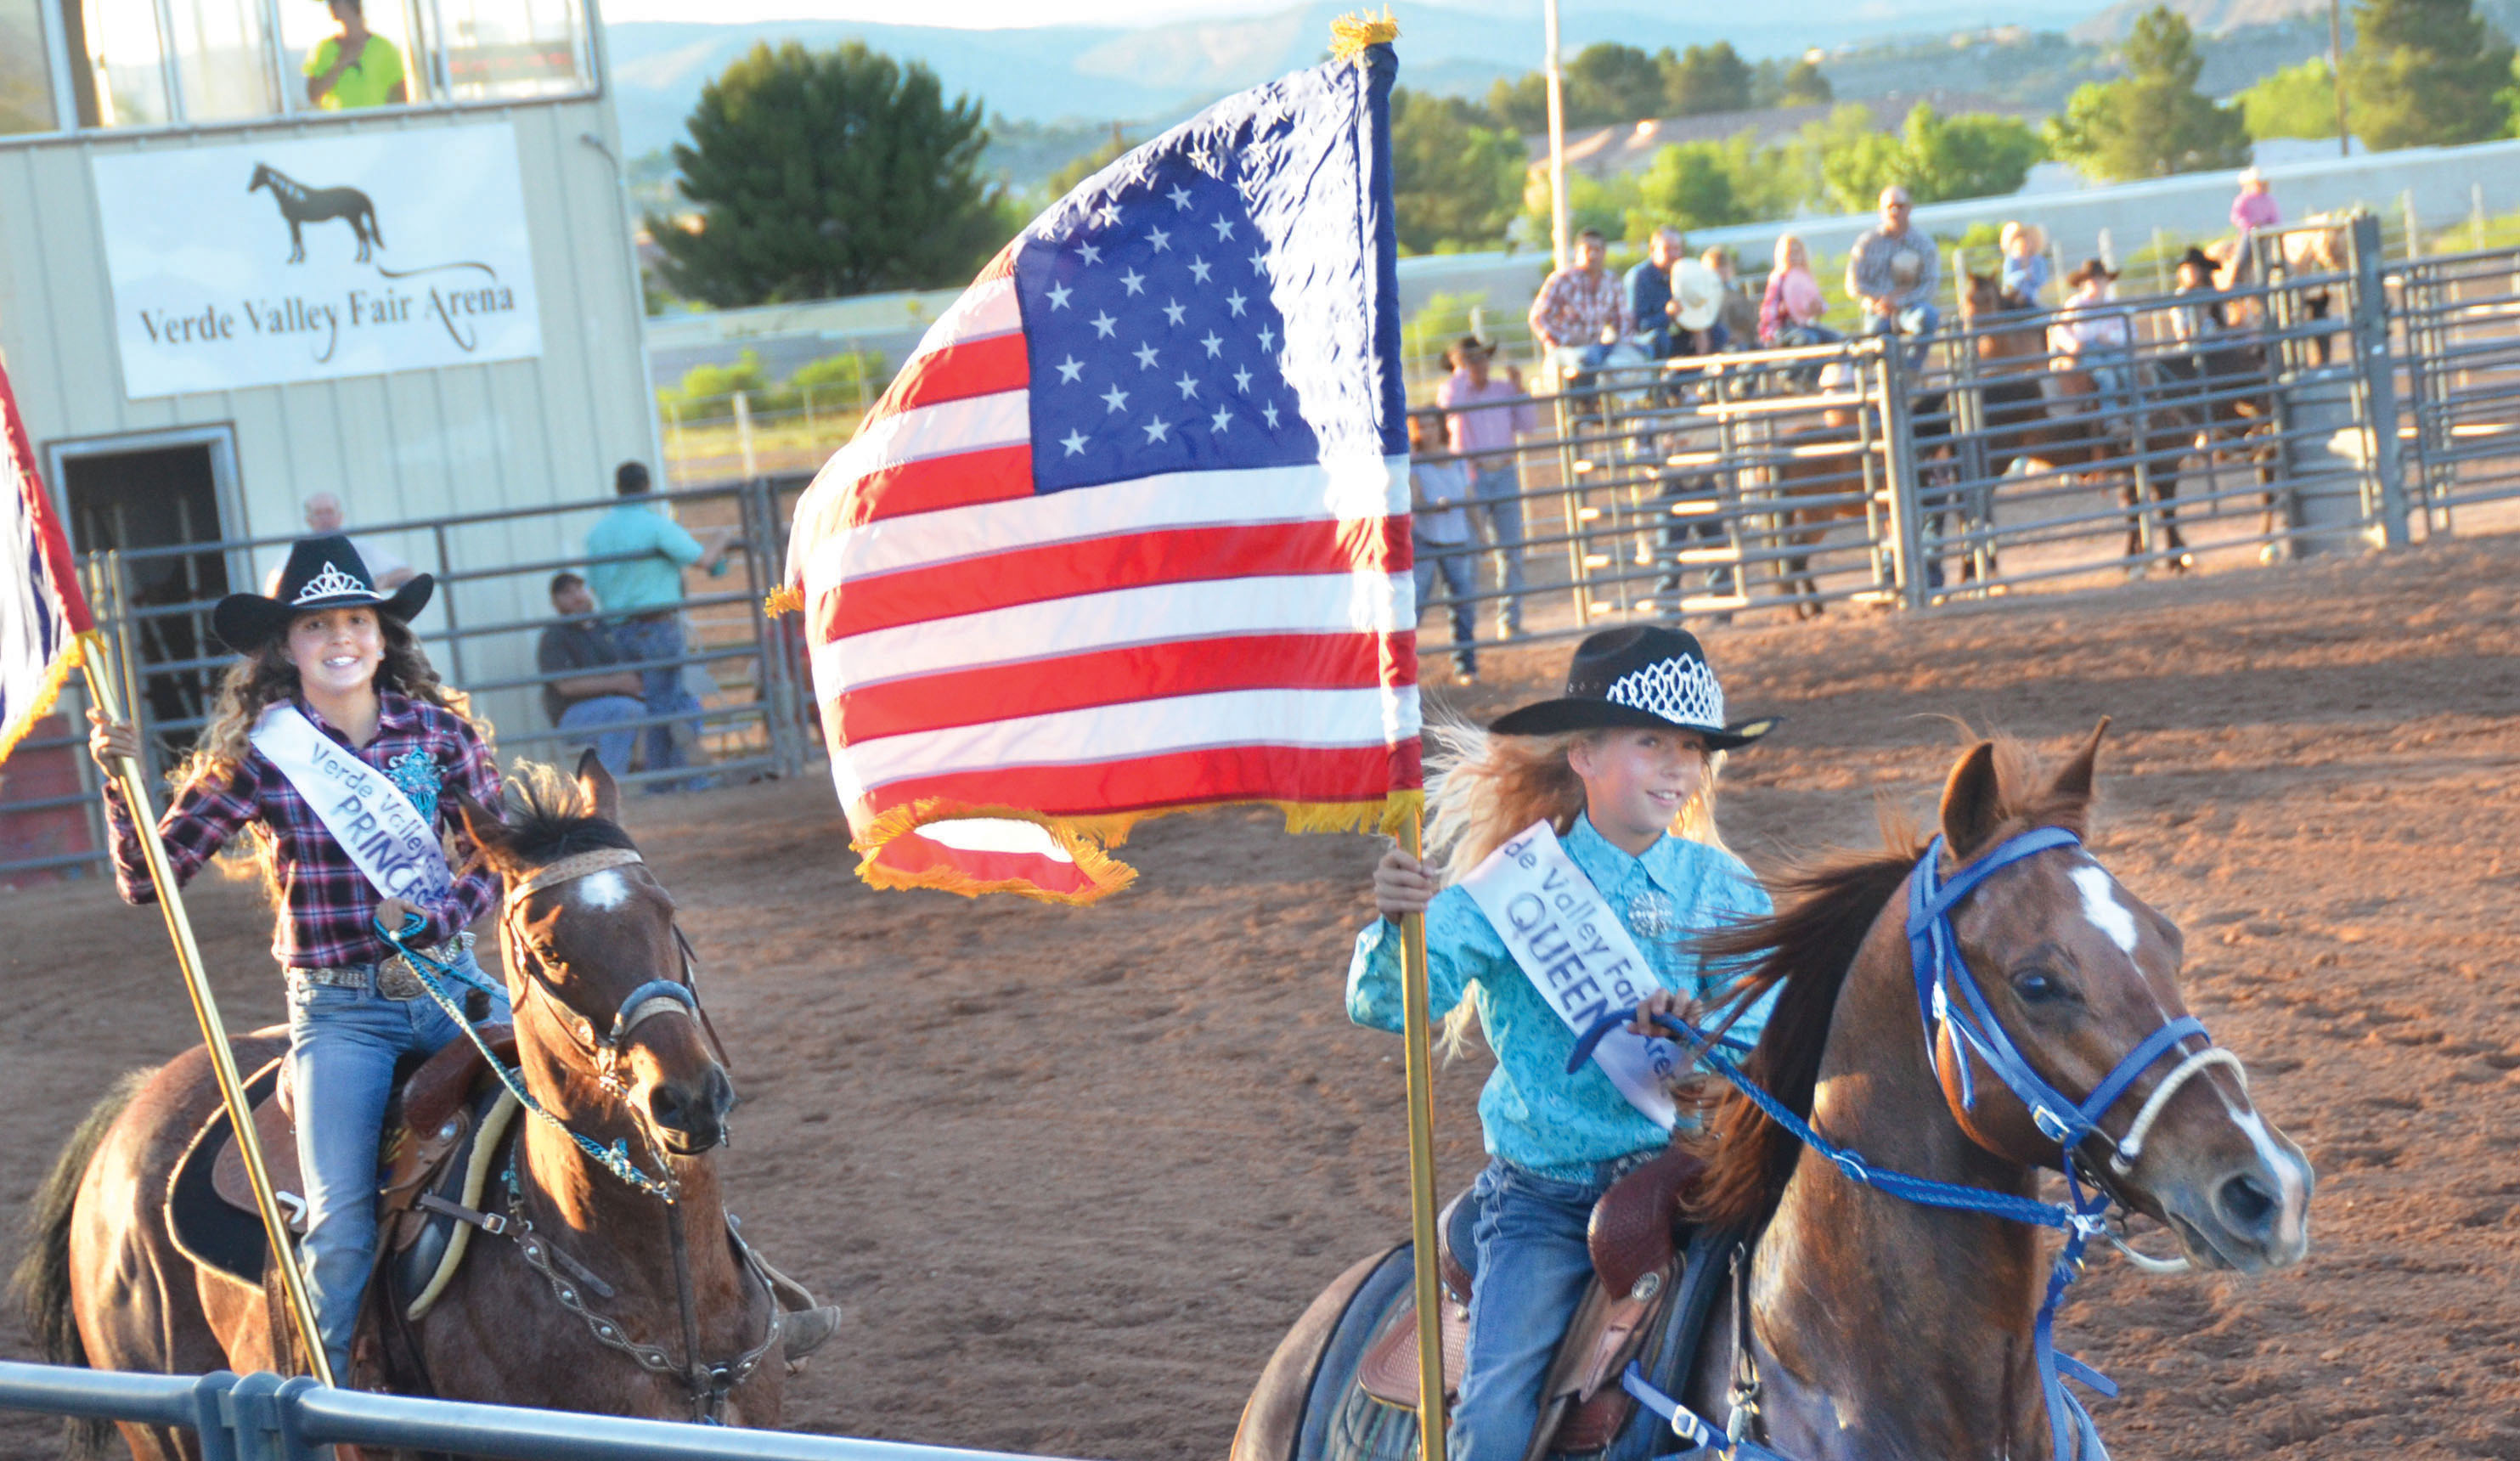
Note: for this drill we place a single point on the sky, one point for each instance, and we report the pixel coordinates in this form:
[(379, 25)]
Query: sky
[(967, 14)]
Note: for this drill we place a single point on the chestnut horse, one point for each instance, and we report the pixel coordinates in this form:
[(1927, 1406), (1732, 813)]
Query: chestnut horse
[(1876, 1326), (106, 1285)]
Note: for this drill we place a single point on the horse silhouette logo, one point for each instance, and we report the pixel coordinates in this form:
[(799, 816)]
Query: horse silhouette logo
[(300, 204)]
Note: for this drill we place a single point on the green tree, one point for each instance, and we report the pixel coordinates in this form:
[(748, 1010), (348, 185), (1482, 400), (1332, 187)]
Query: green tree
[(825, 174), (1078, 169), (1690, 184), (2151, 122), (1521, 105), (2425, 73), (2298, 101), (1966, 157), (1846, 159), (1608, 82), (1453, 179), (1706, 78), (1805, 86)]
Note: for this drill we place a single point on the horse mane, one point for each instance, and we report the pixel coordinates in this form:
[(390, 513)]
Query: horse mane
[(1804, 951), (548, 817)]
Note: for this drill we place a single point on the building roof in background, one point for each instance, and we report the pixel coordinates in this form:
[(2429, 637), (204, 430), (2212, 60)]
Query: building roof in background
[(1630, 147)]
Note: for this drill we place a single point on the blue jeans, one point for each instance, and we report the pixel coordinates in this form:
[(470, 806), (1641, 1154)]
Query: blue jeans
[(1496, 513), (1452, 561), (595, 717), (1918, 322), (662, 639), (342, 1045), (1533, 1266)]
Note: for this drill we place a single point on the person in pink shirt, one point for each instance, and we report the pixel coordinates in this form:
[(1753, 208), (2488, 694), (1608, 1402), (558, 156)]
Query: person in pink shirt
[(1789, 312), (2255, 207), (1481, 414)]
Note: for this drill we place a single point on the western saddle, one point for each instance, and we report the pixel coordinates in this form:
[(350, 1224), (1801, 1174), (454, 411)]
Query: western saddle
[(1637, 1266)]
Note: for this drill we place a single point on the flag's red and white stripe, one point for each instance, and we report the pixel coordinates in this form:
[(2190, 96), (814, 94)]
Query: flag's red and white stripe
[(1089, 656)]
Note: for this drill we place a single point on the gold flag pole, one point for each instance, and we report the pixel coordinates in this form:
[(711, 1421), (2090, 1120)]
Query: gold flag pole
[(206, 1008), (1417, 1031)]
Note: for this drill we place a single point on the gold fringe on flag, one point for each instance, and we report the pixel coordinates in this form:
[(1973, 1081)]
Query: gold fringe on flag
[(1087, 840), (1351, 34), (70, 659), (782, 600)]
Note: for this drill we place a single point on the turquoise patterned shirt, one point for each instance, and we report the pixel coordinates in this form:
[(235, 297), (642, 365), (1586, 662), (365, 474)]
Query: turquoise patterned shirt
[(1533, 1112)]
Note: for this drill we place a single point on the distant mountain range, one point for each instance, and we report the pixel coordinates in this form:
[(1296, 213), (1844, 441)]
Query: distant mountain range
[(1100, 74)]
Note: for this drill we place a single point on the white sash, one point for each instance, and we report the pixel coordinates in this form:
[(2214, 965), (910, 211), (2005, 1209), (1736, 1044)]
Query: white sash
[(360, 805), (1572, 947)]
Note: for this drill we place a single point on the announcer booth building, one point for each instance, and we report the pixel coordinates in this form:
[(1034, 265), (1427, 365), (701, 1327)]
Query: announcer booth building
[(237, 271)]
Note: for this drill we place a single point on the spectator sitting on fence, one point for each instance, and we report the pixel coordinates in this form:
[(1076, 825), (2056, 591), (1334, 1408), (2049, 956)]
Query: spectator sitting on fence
[(2093, 332), (323, 519), (1481, 414), (2255, 207), (1792, 305), (1577, 317), (1736, 319), (586, 692), (1440, 534), (2026, 269), (1647, 290), (1893, 273), (2198, 315), (636, 560)]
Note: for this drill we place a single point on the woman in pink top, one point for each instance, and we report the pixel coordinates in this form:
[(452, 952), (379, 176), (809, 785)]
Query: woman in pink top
[(1791, 311), (2255, 207)]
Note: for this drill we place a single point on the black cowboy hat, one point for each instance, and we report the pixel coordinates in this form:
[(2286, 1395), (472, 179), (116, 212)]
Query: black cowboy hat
[(2200, 258), (1646, 676), (2090, 270), (323, 572)]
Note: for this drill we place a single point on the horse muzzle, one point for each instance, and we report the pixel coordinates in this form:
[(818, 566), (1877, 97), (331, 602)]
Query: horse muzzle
[(2249, 1213), (689, 1117)]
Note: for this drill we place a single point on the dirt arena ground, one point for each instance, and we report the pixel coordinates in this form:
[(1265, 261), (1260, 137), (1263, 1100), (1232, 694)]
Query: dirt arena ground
[(1073, 1172)]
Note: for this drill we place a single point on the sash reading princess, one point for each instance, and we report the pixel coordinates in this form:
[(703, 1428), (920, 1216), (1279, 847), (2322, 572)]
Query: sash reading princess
[(1579, 837), (323, 764)]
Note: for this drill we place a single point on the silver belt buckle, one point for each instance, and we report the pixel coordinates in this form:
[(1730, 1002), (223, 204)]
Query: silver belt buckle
[(397, 980)]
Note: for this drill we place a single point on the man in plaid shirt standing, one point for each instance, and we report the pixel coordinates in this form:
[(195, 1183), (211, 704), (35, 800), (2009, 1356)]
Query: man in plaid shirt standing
[(1579, 317), (331, 752)]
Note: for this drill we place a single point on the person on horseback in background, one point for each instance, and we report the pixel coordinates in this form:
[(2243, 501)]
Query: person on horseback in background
[(1622, 768), (332, 704), (2094, 331)]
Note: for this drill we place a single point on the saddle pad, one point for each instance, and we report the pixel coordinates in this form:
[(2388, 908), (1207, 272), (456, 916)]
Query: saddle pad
[(429, 1245), (1389, 1370), (278, 1135), (213, 1232)]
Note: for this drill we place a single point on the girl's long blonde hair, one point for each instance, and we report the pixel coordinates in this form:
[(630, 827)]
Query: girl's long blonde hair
[(1483, 787), (264, 678)]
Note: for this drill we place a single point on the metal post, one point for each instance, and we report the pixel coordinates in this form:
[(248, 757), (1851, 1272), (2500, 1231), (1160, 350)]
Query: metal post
[(446, 599), (743, 433), (2407, 210), (1557, 240), (1417, 1032), (1899, 461), (206, 1009), (2476, 216), (2376, 380), (2336, 74)]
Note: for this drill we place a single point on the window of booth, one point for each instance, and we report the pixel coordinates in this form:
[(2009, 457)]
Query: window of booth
[(159, 63)]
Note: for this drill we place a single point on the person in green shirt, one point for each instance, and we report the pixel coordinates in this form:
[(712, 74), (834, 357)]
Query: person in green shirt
[(357, 68), (636, 556)]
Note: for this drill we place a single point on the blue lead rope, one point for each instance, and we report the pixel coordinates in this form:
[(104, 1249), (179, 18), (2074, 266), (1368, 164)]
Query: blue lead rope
[(615, 1158)]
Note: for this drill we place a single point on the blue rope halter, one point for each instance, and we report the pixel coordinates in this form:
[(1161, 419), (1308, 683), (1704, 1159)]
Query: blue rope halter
[(1934, 951)]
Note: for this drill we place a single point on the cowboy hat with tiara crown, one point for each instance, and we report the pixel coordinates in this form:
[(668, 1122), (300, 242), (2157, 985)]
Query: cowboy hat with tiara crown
[(323, 572), (1644, 676)]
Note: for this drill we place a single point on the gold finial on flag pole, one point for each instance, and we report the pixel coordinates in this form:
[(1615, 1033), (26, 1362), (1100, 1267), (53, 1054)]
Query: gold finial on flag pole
[(1351, 34)]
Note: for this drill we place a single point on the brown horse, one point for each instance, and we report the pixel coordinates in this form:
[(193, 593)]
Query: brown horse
[(2054, 420), (106, 1286), (1875, 1327)]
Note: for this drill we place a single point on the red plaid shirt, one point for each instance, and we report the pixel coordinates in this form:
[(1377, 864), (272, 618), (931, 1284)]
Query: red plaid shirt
[(329, 907)]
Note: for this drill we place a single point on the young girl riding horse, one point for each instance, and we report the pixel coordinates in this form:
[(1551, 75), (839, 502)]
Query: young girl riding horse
[(1621, 772), (329, 748)]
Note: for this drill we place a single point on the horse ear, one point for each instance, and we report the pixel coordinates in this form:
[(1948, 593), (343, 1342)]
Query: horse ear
[(1971, 801), (482, 825), (601, 791), (2075, 780)]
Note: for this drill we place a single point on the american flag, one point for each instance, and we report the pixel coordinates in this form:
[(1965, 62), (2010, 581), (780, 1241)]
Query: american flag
[(1129, 533), (40, 605)]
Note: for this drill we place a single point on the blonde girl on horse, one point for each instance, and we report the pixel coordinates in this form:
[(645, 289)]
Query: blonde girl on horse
[(1622, 767), (332, 713)]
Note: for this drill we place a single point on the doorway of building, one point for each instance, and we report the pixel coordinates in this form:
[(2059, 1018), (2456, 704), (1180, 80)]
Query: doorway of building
[(159, 503)]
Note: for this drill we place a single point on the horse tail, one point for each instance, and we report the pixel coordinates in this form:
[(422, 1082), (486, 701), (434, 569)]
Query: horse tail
[(40, 1284)]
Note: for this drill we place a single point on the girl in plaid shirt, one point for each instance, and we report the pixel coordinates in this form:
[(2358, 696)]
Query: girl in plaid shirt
[(344, 656)]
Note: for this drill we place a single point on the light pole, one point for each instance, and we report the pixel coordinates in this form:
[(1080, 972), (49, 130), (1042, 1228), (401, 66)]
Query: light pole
[(2336, 72), (1556, 139)]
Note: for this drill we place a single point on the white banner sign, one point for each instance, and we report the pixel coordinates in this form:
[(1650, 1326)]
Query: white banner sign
[(1568, 942), (284, 260)]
